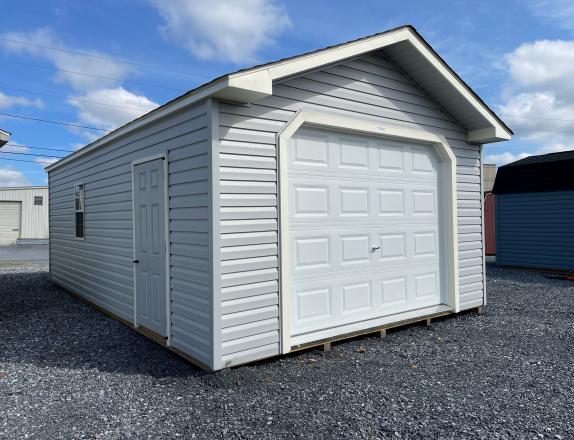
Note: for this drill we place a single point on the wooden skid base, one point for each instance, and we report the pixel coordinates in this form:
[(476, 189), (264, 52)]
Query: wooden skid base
[(325, 344), (380, 331)]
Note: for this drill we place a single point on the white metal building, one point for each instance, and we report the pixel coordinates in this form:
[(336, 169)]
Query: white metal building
[(23, 215), (289, 204)]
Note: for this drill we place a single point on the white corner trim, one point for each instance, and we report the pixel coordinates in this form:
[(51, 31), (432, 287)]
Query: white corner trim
[(338, 122)]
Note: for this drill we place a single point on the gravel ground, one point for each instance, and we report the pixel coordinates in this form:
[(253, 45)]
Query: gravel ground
[(67, 371)]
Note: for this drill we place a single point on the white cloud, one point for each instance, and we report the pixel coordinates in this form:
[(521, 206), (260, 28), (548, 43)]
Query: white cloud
[(123, 107), (66, 61), (7, 101), (228, 30), (45, 161), (504, 158), (12, 177), (538, 98), (559, 12), (544, 64), (117, 105)]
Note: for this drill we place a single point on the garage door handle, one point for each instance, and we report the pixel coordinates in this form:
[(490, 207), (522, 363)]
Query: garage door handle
[(375, 248), (135, 261)]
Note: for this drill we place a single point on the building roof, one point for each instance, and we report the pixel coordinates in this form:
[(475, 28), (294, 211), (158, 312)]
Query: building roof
[(404, 45), (4, 137), (545, 172)]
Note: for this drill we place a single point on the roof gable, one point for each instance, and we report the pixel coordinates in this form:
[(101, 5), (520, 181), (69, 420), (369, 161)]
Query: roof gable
[(413, 55)]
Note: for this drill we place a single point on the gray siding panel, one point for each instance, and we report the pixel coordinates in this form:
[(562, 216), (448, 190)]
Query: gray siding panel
[(535, 230), (371, 87), (99, 268)]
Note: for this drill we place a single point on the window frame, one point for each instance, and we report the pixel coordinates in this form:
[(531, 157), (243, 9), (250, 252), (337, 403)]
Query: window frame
[(82, 209)]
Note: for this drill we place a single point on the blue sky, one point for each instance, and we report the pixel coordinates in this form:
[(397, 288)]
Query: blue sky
[(63, 60)]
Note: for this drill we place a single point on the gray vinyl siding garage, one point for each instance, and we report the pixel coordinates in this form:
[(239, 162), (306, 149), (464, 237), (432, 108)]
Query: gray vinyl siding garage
[(228, 285), (371, 86)]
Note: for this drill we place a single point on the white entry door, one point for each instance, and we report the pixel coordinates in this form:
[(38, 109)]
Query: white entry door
[(150, 245), (364, 231), (10, 220)]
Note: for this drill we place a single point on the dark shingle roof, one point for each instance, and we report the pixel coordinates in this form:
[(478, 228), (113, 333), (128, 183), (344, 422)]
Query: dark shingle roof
[(546, 172), (550, 157)]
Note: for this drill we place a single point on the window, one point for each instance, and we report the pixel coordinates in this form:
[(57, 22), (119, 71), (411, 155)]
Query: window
[(79, 209), (38, 200)]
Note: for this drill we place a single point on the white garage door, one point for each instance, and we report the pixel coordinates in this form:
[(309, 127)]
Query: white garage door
[(364, 234), (9, 222)]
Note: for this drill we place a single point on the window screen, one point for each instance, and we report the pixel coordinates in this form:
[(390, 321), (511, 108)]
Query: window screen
[(79, 209), (38, 200)]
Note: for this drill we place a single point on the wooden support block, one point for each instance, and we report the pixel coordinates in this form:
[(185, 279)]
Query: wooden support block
[(428, 322), (383, 333), (480, 310), (327, 346)]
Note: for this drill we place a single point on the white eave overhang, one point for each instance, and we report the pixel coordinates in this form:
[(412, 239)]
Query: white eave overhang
[(252, 85), (4, 137)]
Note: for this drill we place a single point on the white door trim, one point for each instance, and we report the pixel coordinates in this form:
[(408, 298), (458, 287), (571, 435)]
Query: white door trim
[(162, 156), (356, 125)]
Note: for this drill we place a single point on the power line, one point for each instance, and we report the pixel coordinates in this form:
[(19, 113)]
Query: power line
[(503, 145), (47, 121), (92, 75), (102, 57), (39, 161), (537, 117), (31, 154), (68, 99), (38, 148)]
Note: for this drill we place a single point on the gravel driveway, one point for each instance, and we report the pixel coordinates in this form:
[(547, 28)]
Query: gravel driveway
[(67, 371)]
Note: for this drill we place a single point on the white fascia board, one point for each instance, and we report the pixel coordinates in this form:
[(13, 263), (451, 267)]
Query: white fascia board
[(488, 135), (501, 133), (247, 88), (324, 57)]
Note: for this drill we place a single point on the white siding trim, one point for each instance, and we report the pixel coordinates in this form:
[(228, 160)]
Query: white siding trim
[(215, 232), (337, 121)]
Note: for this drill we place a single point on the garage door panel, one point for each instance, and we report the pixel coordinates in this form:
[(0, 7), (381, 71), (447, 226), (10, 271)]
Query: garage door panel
[(337, 201), (344, 250), (311, 201), (311, 150), (341, 249), (364, 233), (344, 300)]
